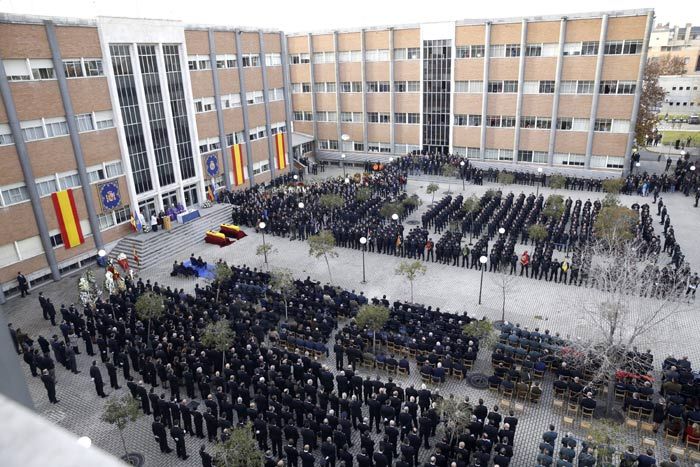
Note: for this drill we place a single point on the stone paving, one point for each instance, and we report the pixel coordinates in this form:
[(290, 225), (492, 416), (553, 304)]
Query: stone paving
[(529, 302)]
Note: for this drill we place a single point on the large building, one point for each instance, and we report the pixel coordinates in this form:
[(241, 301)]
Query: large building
[(153, 110), (682, 91)]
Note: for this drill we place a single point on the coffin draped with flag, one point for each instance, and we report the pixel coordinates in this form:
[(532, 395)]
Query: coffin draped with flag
[(67, 216)]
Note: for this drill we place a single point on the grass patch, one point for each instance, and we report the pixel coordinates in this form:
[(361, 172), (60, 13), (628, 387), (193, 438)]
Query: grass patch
[(670, 137)]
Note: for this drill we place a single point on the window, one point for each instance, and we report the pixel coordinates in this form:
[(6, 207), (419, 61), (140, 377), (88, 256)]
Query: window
[(295, 59), (104, 119), (331, 144), (277, 94), (564, 123), (106, 220), (632, 47), (497, 50), (407, 54), (531, 87), (351, 117), (470, 51), (46, 187), (510, 86), (56, 128), (6, 134), (326, 116), (400, 117), (512, 50), (620, 126), (533, 50), (73, 68), (528, 122), (17, 70), (251, 97), (69, 181), (56, 240), (378, 86), (608, 87), (580, 124), (544, 123), (84, 122), (508, 122), (468, 120), (273, 59), (602, 124), (524, 156), (547, 87), (626, 87), (378, 55), (461, 86), (42, 69), (495, 86), (567, 87), (93, 67), (413, 118), (324, 57), (32, 131), (613, 48), (350, 56), (589, 48), (95, 175), (493, 120), (378, 117), (358, 146), (14, 195), (585, 87), (250, 60)]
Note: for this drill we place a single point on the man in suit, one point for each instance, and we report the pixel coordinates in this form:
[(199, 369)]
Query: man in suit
[(206, 457), (292, 454), (161, 436), (112, 372), (23, 284), (97, 379), (212, 425), (179, 436), (186, 414), (50, 385)]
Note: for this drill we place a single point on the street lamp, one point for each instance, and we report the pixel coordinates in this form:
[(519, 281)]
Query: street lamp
[(363, 242), (637, 165), (482, 260), (343, 156), (395, 216), (462, 164), (296, 177), (347, 180), (345, 137), (539, 181), (84, 441), (301, 205), (262, 226)]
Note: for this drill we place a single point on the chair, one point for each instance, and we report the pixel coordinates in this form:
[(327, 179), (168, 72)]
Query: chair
[(367, 362), (620, 394), (459, 374), (585, 425), (557, 404), (535, 397), (678, 451), (436, 379), (645, 414), (634, 412), (425, 377), (468, 364), (694, 442), (403, 371), (391, 369), (587, 412), (668, 436), (559, 393), (518, 407), (380, 365), (538, 374), (567, 421), (630, 423), (694, 456), (647, 428), (508, 393), (505, 403), (572, 409), (648, 443), (494, 386)]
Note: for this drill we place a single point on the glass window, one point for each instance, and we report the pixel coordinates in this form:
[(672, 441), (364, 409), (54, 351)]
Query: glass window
[(508, 122), (42, 73), (400, 54), (56, 129), (413, 118), (69, 181), (33, 133), (46, 187), (413, 53), (477, 51), (497, 50), (547, 87), (524, 156), (512, 50), (73, 68), (493, 120), (384, 86), (95, 175), (15, 195), (626, 87), (495, 86), (528, 122), (475, 120), (608, 87), (462, 51), (632, 47), (357, 86), (544, 123), (461, 86), (115, 169), (93, 67), (613, 48), (564, 123), (510, 86), (84, 122), (413, 86), (567, 87), (399, 117), (602, 124), (533, 50), (585, 87), (589, 48)]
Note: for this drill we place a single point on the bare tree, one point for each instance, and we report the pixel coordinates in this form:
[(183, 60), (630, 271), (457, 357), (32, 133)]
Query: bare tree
[(653, 94), (506, 284)]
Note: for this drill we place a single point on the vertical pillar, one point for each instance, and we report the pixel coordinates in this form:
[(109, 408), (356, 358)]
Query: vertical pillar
[(12, 384), (485, 91), (27, 172), (521, 80), (287, 100), (638, 92), (392, 96), (338, 107), (219, 110), (266, 101), (596, 89), (73, 133), (313, 84), (363, 68), (244, 109), (557, 92)]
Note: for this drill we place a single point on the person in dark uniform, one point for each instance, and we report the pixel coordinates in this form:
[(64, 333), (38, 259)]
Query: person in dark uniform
[(50, 385), (307, 459), (198, 419), (23, 284), (161, 436), (112, 372), (212, 425), (179, 436), (206, 457), (186, 414), (97, 379), (292, 454)]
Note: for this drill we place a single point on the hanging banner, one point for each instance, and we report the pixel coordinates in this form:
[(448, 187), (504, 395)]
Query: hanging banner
[(68, 220), (110, 198), (237, 157), (212, 165), (281, 153)]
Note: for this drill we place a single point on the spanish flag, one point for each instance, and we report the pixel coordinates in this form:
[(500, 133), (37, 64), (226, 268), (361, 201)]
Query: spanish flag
[(67, 215), (237, 156), (281, 153)]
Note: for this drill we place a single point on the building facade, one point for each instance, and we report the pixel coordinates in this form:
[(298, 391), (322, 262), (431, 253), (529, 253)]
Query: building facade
[(122, 115), (102, 118), (557, 91)]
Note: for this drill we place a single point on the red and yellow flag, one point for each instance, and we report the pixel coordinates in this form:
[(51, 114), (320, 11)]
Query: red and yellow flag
[(281, 153), (68, 220), (237, 157)]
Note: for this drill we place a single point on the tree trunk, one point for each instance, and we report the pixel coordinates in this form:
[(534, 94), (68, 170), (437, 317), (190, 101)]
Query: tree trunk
[(503, 311), (610, 399), (148, 334), (411, 282), (374, 342), (286, 316), (126, 452), (328, 265), (218, 288), (223, 360)]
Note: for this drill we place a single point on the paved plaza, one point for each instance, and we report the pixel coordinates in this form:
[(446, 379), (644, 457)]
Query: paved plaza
[(529, 302)]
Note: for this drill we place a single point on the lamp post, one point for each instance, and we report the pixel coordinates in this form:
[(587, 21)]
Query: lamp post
[(501, 231), (301, 205), (347, 180), (262, 226), (343, 156), (539, 181), (296, 177), (395, 217), (462, 164), (637, 165), (363, 242), (482, 260)]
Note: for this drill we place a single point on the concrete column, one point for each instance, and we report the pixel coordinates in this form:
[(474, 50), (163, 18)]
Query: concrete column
[(268, 128), (244, 109), (521, 80), (12, 384), (638, 92), (338, 108), (364, 89), (557, 92), (73, 133), (485, 91), (596, 89), (219, 111), (27, 171), (392, 96), (313, 84), (287, 100)]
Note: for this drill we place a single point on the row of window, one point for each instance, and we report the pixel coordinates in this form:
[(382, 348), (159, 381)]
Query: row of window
[(356, 117), (628, 47), (18, 193), (375, 55), (356, 86), (213, 143), (33, 130), (229, 101), (547, 87), (541, 157), (42, 68), (228, 61), (545, 123)]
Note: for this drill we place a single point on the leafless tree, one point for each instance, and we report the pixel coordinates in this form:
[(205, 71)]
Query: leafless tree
[(507, 285)]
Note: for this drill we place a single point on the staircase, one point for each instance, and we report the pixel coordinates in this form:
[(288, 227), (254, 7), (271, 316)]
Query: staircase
[(153, 247)]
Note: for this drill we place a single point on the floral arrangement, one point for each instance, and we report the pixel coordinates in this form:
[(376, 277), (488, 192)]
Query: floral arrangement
[(87, 289), (205, 204)]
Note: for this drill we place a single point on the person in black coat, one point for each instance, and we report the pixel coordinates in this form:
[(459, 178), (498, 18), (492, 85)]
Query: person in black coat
[(186, 414), (143, 396), (23, 284), (50, 385), (179, 436), (198, 419), (212, 425), (307, 459), (97, 379), (161, 436), (292, 454), (112, 372), (87, 338), (206, 457)]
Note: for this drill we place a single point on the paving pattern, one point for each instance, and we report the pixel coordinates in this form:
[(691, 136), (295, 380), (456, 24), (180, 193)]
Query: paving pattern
[(529, 302)]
